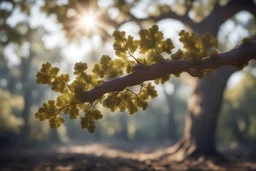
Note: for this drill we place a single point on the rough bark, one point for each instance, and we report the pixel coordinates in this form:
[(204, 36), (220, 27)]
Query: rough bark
[(235, 57), (203, 109), (206, 99)]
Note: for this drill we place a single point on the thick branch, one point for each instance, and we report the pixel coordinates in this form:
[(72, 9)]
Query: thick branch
[(235, 57), (171, 15), (220, 14)]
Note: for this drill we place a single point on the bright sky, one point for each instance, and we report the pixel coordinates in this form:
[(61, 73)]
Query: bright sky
[(229, 32)]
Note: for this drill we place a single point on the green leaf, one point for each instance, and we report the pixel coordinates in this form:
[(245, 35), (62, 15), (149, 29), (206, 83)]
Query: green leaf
[(155, 57), (151, 90), (63, 100), (80, 67), (105, 60), (88, 122), (73, 111), (59, 83), (46, 73), (131, 106), (149, 38), (42, 78), (167, 46), (120, 45), (209, 41), (47, 110), (97, 70), (56, 121), (96, 114), (141, 103), (178, 55), (132, 44)]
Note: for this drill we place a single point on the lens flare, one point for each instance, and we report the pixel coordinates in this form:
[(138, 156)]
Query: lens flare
[(89, 21)]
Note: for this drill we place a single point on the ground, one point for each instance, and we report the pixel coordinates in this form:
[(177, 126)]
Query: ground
[(99, 157)]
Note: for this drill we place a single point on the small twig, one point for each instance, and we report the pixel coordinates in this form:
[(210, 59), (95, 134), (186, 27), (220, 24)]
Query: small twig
[(137, 95), (63, 83), (131, 55)]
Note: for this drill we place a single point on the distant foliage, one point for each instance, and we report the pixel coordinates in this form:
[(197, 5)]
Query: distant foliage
[(237, 122), (8, 120), (131, 56)]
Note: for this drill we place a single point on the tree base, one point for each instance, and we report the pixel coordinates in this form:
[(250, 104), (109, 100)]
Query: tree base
[(187, 150)]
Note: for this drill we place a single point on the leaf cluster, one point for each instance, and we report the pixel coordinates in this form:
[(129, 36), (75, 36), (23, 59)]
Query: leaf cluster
[(131, 55), (196, 47)]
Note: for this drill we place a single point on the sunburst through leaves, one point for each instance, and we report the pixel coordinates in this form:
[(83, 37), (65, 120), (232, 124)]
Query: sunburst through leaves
[(76, 97)]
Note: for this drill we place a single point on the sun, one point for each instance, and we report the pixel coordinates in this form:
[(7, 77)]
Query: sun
[(89, 21)]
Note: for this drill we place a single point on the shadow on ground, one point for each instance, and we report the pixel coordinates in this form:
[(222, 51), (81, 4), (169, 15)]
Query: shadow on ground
[(98, 157)]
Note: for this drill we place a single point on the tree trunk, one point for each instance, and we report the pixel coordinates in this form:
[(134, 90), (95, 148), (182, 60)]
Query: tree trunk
[(26, 113), (201, 121), (173, 135), (27, 93), (204, 104)]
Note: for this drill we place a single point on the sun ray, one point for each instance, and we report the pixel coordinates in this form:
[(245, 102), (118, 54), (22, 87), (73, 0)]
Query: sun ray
[(88, 20)]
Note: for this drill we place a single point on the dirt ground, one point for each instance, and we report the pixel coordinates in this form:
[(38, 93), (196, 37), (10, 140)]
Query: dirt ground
[(98, 157)]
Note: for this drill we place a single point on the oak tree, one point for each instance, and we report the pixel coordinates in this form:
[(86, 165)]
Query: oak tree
[(139, 61)]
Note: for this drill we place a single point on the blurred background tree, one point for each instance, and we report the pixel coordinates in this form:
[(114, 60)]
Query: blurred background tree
[(238, 114), (33, 32)]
